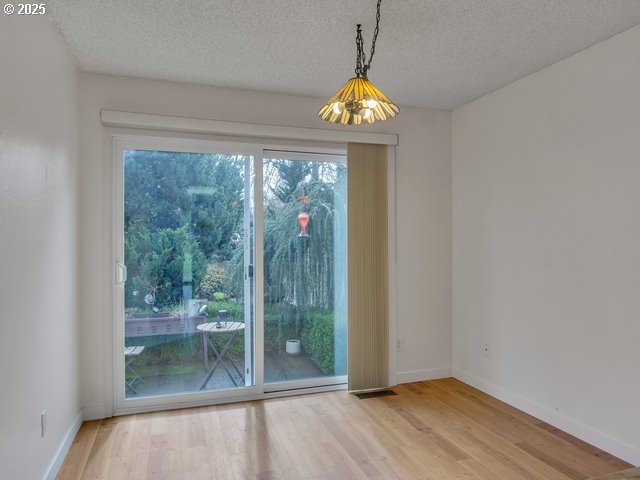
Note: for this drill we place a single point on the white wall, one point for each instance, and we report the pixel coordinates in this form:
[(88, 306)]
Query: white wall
[(38, 246), (546, 244), (423, 218)]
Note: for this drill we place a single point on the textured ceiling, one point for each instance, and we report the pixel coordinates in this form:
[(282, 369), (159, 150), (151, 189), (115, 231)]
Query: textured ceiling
[(430, 53)]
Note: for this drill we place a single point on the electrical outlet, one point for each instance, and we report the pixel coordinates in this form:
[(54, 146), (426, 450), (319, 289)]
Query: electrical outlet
[(486, 349), (43, 423), (399, 344)]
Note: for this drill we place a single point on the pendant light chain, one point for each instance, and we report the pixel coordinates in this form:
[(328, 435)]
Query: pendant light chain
[(360, 56), (375, 36), (359, 101), (362, 67)]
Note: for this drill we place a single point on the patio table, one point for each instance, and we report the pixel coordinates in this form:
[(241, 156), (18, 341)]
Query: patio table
[(221, 351), (130, 354)]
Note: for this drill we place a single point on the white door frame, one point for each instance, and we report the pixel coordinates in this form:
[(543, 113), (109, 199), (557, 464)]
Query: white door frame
[(122, 405)]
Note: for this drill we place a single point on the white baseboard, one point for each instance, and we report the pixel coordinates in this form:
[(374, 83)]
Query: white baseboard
[(95, 412), (584, 432), (420, 375), (63, 449)]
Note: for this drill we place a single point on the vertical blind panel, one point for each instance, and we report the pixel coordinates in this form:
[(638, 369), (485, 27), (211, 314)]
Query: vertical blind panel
[(367, 259)]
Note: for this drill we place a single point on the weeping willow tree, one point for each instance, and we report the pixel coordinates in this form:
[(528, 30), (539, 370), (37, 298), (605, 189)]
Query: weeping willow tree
[(298, 270)]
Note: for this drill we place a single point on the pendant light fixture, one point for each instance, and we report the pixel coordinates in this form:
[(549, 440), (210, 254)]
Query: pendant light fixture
[(359, 100)]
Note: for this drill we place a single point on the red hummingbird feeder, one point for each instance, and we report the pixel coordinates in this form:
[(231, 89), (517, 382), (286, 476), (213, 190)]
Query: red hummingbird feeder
[(303, 221)]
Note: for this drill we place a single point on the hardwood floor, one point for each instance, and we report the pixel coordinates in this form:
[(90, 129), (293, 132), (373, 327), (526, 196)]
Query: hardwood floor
[(437, 430), (631, 474)]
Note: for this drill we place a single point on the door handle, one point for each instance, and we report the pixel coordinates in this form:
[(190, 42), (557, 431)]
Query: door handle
[(121, 274)]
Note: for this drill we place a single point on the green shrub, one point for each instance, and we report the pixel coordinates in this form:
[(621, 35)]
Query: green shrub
[(212, 282), (314, 326), (159, 263), (235, 311), (317, 340)]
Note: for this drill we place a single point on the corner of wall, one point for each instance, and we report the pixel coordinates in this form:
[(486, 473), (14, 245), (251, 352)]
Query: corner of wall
[(563, 422), (63, 449)]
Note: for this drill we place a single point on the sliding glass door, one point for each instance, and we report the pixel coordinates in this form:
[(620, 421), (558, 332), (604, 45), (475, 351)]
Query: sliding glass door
[(185, 305), (201, 313), (305, 269)]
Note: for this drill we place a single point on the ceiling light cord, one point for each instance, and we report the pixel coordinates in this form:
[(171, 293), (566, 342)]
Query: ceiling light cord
[(362, 67), (359, 101)]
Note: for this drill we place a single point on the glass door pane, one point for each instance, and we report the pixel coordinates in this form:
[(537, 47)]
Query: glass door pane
[(305, 268), (188, 252)]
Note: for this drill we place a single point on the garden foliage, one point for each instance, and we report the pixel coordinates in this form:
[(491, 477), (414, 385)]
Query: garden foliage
[(184, 226)]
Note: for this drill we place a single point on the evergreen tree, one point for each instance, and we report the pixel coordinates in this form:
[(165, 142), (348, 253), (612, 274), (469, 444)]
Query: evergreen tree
[(159, 263), (172, 190), (181, 212)]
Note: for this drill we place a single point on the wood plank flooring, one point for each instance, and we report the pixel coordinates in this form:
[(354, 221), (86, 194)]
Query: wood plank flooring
[(631, 474), (437, 430)]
